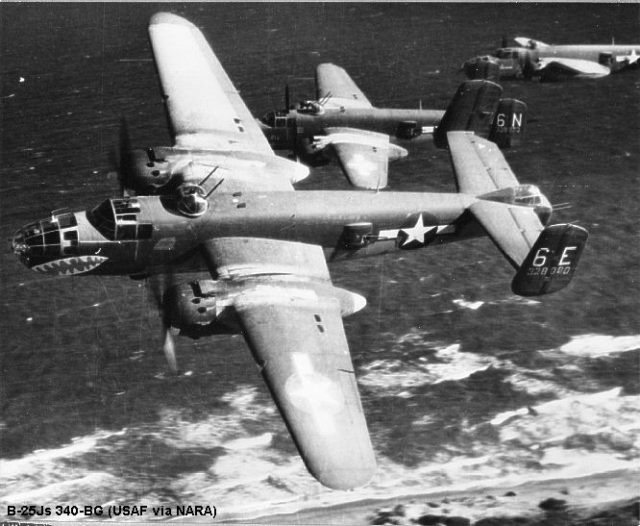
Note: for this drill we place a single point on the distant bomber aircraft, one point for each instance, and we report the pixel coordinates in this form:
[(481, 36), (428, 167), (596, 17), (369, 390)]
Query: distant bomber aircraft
[(228, 207), (533, 59), (342, 123)]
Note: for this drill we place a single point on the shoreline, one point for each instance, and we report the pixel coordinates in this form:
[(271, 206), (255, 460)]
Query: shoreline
[(577, 497)]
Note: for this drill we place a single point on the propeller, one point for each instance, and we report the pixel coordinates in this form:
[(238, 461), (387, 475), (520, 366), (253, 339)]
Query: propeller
[(160, 283), (120, 158)]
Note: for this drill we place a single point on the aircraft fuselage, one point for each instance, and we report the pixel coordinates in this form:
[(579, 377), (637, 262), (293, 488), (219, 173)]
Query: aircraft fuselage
[(132, 236), (585, 52), (295, 129)]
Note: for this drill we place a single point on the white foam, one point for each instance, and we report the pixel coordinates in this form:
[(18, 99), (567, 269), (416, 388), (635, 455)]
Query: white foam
[(448, 364), (473, 305), (608, 418), (258, 441), (41, 457), (596, 345)]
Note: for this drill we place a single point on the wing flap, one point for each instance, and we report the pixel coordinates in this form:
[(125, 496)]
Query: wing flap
[(335, 85), (298, 340), (478, 164), (204, 108), (242, 257)]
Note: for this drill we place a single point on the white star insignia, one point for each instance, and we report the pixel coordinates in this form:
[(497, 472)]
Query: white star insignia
[(361, 164), (416, 233)]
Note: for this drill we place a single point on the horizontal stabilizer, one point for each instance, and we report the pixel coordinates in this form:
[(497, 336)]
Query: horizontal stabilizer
[(552, 261), (472, 109), (478, 164)]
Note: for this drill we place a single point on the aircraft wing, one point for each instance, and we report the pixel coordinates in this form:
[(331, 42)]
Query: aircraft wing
[(363, 155), (478, 164), (204, 109), (291, 318), (334, 84), (530, 43), (560, 67)]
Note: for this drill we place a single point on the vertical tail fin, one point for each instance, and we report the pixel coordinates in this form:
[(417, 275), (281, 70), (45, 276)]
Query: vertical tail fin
[(471, 109), (551, 262), (508, 125)]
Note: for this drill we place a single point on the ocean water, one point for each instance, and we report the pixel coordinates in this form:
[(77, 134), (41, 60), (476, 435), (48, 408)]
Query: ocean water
[(463, 384)]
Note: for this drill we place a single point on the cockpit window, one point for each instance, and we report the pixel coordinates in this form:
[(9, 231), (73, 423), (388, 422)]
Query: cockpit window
[(67, 220), (103, 219)]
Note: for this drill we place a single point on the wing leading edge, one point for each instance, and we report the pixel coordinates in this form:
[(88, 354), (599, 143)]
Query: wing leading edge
[(291, 317), (337, 88), (204, 108)]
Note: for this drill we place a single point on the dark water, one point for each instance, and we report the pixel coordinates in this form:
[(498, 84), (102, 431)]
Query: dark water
[(443, 350)]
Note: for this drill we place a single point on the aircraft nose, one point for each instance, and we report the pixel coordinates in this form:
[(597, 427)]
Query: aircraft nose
[(21, 245), (38, 242)]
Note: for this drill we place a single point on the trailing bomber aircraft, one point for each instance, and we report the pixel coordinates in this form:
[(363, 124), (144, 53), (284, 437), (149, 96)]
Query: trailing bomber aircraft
[(533, 59), (343, 124), (229, 209)]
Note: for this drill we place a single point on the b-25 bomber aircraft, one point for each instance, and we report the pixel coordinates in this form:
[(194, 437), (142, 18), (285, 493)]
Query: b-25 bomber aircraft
[(533, 59), (343, 124), (266, 246)]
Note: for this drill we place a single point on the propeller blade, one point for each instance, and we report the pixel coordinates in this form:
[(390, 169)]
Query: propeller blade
[(169, 349), (160, 283), (124, 157), (287, 98)]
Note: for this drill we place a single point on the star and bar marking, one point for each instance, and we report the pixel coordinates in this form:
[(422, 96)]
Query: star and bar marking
[(416, 236)]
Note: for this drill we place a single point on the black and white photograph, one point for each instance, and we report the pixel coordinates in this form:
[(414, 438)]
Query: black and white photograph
[(320, 263)]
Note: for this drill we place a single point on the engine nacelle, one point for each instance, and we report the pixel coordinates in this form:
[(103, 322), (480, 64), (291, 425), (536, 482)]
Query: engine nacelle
[(200, 308)]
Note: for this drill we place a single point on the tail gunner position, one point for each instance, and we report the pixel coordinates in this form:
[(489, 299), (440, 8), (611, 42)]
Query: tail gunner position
[(223, 202)]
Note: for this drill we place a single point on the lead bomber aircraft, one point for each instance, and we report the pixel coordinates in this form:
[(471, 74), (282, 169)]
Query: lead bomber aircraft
[(231, 210)]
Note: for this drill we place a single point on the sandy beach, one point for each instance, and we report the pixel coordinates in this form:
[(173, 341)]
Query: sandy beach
[(611, 498)]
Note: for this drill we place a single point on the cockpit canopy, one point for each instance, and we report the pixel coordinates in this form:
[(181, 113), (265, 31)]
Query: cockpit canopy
[(528, 194), (117, 219)]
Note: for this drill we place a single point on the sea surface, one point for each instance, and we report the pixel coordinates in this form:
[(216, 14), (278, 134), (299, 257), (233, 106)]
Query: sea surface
[(462, 382)]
